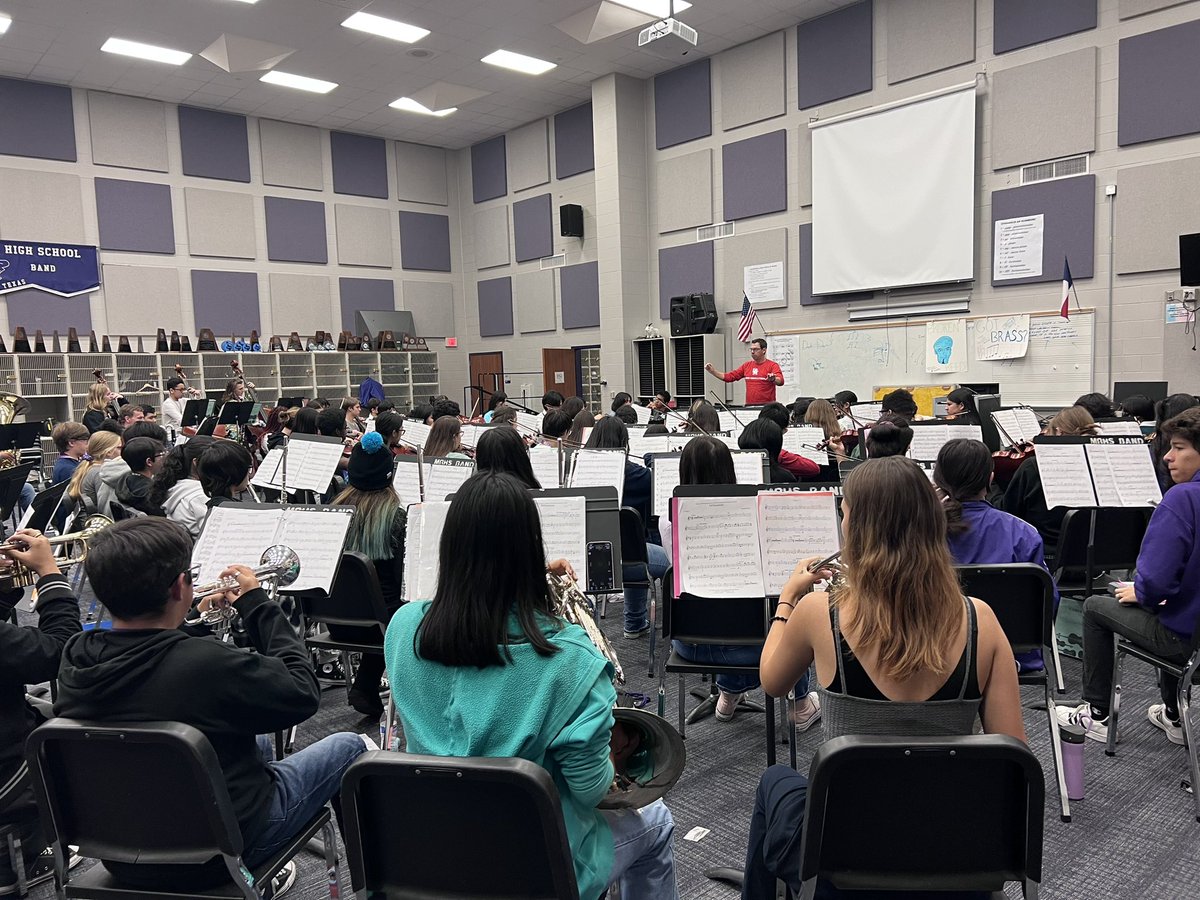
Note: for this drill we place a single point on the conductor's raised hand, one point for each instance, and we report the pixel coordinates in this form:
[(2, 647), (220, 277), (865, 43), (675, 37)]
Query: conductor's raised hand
[(710, 368)]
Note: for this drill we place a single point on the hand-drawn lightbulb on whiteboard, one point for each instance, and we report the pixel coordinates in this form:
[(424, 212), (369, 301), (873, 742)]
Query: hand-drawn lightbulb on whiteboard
[(942, 348)]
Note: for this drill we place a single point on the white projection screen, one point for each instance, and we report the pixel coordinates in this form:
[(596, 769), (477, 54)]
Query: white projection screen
[(894, 194)]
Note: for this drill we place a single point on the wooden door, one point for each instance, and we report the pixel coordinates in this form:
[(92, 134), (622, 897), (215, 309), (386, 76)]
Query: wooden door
[(558, 371), (487, 374)]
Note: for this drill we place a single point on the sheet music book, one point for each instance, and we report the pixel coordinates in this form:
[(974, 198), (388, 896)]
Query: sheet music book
[(1123, 472), (729, 420), (415, 433), (599, 468), (564, 530), (238, 533), (408, 479), (664, 474), (867, 412), (1018, 425), (1120, 428), (1066, 480), (792, 527), (811, 435), (679, 439), (640, 447), (445, 476), (421, 547), (928, 440), (547, 465), (643, 417), (472, 433), (311, 465), (529, 423)]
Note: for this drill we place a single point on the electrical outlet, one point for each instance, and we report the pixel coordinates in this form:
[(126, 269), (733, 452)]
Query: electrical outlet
[(1189, 295)]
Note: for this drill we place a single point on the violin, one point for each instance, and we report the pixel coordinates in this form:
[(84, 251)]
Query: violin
[(1006, 462)]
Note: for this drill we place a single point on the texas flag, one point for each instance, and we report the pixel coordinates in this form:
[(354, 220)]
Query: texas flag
[(1068, 287)]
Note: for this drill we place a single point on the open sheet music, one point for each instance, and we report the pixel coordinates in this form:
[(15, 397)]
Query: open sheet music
[(445, 476), (734, 421), (564, 530), (311, 465), (415, 433), (1017, 426), (547, 465), (529, 423), (801, 439), (599, 468), (408, 479), (1120, 428), (421, 546), (643, 414), (1097, 471), (640, 447), (472, 433), (867, 412), (928, 440), (664, 473), (1066, 480)]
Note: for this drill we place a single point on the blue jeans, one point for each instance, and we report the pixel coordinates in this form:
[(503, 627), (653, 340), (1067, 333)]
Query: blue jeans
[(28, 492), (732, 655), (636, 597), (643, 853), (304, 782)]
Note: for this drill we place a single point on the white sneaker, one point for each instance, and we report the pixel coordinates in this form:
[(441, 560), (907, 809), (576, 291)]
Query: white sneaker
[(1078, 720), (282, 881), (1157, 714), (808, 711), (726, 706)]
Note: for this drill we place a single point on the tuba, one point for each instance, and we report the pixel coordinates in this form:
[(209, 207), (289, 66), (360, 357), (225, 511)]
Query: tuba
[(11, 406)]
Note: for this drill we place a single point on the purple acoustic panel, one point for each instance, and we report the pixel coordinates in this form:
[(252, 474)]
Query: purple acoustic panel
[(579, 288), (134, 216), (296, 230), (214, 144), (489, 170), (683, 105), (364, 293), (1068, 208), (424, 241), (359, 165), (226, 302), (1158, 94), (1022, 23), (687, 269), (495, 307), (835, 55), (35, 309), (806, 294), (38, 120), (754, 176), (574, 147), (533, 228)]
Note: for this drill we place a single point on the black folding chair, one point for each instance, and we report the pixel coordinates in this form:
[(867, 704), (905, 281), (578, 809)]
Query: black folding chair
[(353, 612), (968, 817), (634, 553), (1093, 541), (161, 802), (14, 792), (506, 811)]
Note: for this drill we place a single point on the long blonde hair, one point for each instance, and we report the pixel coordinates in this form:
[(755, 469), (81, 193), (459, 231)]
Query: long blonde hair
[(821, 413), (900, 580), (1074, 420), (99, 450), (98, 396)]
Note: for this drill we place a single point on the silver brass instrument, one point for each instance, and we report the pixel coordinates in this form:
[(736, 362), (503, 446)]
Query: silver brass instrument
[(12, 406), (278, 565), (833, 563), (573, 605), (19, 575)]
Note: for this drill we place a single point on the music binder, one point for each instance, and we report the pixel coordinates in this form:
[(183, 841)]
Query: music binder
[(1085, 472)]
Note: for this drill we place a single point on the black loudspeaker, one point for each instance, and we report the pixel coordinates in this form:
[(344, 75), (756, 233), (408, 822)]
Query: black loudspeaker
[(680, 320), (570, 220), (693, 314)]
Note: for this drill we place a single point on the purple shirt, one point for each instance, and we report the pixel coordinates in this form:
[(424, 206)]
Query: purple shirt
[(995, 537), (1168, 568)]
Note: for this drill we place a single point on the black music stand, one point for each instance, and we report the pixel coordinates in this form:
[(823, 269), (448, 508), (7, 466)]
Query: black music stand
[(602, 521), (238, 412), (20, 436), (46, 503), (194, 412), (11, 482), (288, 402)]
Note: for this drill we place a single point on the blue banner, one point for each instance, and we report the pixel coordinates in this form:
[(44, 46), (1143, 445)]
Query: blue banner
[(63, 269)]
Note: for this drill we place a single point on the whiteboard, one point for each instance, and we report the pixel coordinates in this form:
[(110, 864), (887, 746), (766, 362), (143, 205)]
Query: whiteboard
[(1056, 370)]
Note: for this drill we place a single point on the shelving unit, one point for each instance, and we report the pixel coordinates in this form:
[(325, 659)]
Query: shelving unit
[(650, 359), (689, 381)]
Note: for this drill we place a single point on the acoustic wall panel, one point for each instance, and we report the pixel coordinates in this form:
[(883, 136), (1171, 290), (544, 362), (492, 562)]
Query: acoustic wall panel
[(1044, 110), (424, 241), (528, 155), (495, 307), (751, 249), (38, 120), (421, 174), (432, 306), (296, 230), (134, 216), (139, 299), (807, 298), (220, 223), (1159, 88), (684, 186), (754, 176), (533, 228), (489, 174), (364, 293), (535, 300), (359, 165), (753, 82), (1068, 208), (925, 36), (834, 55), (682, 105), (1151, 217), (35, 309), (686, 269), (299, 303), (491, 237), (364, 235), (291, 155), (574, 146), (1023, 23), (579, 287), (804, 165), (214, 144), (1127, 9), (127, 132), (226, 302), (41, 206)]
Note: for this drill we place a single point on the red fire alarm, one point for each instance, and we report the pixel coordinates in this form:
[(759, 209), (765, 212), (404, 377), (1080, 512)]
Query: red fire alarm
[(452, 342)]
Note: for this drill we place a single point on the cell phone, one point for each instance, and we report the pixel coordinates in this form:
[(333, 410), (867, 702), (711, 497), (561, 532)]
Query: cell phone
[(599, 566)]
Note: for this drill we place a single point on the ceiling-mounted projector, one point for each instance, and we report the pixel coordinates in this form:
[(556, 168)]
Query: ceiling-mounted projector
[(669, 38)]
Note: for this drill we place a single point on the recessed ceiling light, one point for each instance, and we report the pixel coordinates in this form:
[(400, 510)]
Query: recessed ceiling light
[(408, 104), (299, 82), (388, 28), (5, 21), (660, 9), (248, 1), (518, 62), (145, 51)]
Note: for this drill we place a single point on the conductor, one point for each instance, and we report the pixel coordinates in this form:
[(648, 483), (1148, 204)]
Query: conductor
[(762, 375)]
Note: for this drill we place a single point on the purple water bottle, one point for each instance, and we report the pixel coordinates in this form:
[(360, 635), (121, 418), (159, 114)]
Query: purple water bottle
[(1072, 753)]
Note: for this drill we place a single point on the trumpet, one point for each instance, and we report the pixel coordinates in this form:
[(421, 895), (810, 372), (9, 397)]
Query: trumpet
[(19, 575), (278, 564)]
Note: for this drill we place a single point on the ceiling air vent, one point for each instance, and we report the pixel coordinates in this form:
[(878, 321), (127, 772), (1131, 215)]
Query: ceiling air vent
[(554, 262), (713, 232), (1058, 168)]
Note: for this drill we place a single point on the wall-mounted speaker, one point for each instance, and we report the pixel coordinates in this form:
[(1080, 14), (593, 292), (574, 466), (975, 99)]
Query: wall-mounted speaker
[(693, 314), (570, 220)]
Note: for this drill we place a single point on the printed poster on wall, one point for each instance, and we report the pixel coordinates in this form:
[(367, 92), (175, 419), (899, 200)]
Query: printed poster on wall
[(66, 270), (946, 346), (1002, 337), (763, 282), (1017, 251)]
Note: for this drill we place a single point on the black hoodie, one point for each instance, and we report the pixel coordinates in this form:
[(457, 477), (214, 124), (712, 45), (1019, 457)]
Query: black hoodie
[(229, 694)]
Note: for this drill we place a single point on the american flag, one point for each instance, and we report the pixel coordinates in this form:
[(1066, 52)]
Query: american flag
[(747, 323)]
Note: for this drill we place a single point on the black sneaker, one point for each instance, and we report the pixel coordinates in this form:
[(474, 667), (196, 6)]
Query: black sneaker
[(41, 871), (282, 881)]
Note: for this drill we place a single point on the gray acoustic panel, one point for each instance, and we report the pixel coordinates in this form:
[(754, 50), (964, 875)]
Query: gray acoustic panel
[(574, 144), (226, 302), (1068, 207), (495, 307), (364, 235), (835, 55), (291, 155), (134, 216), (432, 306), (1045, 109), (1127, 9), (300, 303), (489, 173), (751, 249), (359, 165), (1150, 216), (41, 206), (220, 223), (528, 155), (684, 189), (296, 230), (753, 81), (32, 310), (491, 237), (807, 298), (421, 174), (424, 241), (683, 104), (579, 287), (686, 269), (535, 297), (925, 36), (38, 119), (533, 228), (139, 299), (364, 293), (1159, 88), (214, 144), (1023, 23), (754, 176), (127, 132)]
